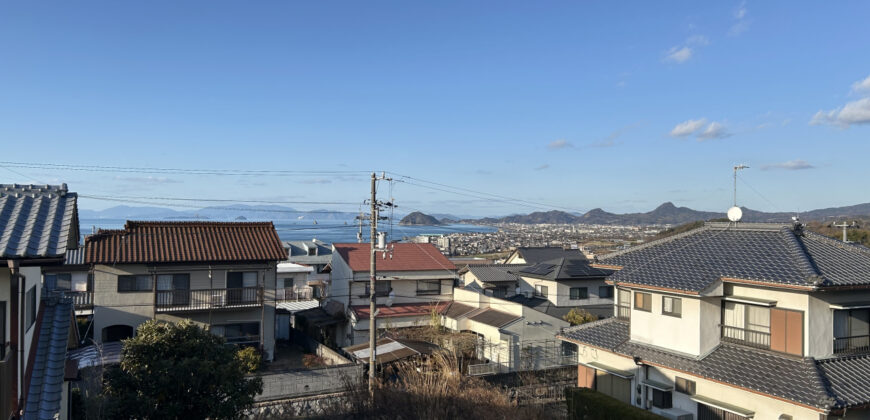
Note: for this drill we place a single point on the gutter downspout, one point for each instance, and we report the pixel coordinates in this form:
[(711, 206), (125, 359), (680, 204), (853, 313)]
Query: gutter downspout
[(16, 286)]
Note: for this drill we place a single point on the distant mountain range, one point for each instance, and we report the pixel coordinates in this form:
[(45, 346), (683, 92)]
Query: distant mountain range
[(419, 219), (668, 213)]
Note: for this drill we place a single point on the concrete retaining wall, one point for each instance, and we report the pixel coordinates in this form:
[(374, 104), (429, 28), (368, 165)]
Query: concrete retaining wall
[(297, 383)]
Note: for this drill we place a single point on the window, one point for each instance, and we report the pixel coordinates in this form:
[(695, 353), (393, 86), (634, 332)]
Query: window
[(541, 291), (851, 330), (579, 293), (241, 279), (643, 301), (605, 292), (672, 306), (30, 308), (684, 386), (382, 288), (623, 306), (245, 333), (58, 281), (3, 330), (662, 399), (173, 289), (428, 287), (749, 324), (140, 283)]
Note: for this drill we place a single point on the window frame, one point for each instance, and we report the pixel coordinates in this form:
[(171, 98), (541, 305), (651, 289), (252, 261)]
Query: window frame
[(582, 293), (542, 290), (676, 303), (665, 399), (135, 278), (647, 299), (378, 293), (428, 291), (30, 308), (608, 295)]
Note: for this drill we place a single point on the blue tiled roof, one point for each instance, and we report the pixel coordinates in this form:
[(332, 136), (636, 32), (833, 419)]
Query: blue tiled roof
[(37, 221), (46, 380)]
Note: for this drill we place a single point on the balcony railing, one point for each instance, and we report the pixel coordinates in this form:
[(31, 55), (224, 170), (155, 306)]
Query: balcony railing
[(483, 369), (854, 344), (81, 300), (245, 340), (623, 312), (294, 294), (206, 299), (757, 339)]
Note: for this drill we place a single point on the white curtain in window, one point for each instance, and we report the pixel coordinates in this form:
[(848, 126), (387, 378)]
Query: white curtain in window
[(164, 282), (759, 319), (734, 314), (860, 322), (624, 298), (668, 305)]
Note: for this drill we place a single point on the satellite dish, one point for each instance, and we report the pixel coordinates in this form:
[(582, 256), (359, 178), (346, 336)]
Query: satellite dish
[(734, 214)]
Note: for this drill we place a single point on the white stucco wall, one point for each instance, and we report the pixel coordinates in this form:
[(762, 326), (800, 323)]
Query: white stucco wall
[(681, 334)]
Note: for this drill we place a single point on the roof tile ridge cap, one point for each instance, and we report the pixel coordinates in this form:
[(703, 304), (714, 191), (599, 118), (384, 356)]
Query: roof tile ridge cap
[(801, 256), (656, 242)]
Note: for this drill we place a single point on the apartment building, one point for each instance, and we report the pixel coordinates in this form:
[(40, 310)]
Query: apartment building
[(221, 275), (735, 321), (38, 227), (413, 281)]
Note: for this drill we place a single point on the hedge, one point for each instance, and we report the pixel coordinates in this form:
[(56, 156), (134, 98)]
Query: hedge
[(587, 404)]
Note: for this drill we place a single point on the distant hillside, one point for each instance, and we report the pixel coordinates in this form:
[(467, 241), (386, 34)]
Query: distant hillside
[(669, 214), (419, 219), (224, 212)]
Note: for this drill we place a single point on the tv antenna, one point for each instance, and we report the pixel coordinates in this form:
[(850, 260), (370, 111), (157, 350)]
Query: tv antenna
[(735, 213)]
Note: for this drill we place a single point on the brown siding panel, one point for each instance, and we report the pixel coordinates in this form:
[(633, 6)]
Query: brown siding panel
[(585, 377), (777, 329), (794, 343)]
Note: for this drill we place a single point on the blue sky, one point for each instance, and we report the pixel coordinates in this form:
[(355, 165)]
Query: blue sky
[(570, 104)]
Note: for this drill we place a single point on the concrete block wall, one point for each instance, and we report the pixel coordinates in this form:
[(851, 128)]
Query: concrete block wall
[(283, 385)]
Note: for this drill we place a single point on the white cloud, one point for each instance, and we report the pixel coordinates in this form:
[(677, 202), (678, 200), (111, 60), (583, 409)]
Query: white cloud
[(792, 165), (699, 40), (855, 112), (679, 55), (714, 130), (542, 167), (559, 144), (686, 128), (862, 86), (742, 24)]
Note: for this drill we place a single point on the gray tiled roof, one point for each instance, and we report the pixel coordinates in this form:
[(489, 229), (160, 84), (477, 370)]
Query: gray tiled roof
[(827, 384), (493, 317), (751, 251), (37, 221), (455, 310), (75, 256), (564, 269), (496, 273), (545, 306), (848, 379), (534, 255), (297, 252), (46, 379)]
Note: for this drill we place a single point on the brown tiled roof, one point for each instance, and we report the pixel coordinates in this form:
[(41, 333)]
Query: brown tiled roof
[(406, 257), (400, 309), (167, 242)]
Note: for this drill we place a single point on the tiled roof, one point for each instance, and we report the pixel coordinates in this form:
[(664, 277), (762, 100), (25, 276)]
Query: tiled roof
[(46, 379), (827, 384), (564, 269), (534, 255), (400, 309), (767, 253), (75, 256), (545, 306), (493, 317), (405, 257), (496, 273), (168, 242), (37, 221), (455, 310), (848, 379)]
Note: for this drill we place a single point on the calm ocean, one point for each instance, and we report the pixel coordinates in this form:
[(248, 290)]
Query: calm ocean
[(326, 232)]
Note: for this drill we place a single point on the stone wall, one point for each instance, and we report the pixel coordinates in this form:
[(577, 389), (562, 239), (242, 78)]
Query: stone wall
[(310, 406)]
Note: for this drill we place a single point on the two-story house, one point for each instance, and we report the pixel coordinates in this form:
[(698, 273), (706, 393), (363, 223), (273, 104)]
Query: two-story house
[(557, 286), (413, 281), (735, 321), (221, 275), (38, 227), (538, 254)]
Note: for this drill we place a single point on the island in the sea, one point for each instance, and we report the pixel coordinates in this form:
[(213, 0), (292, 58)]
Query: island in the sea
[(419, 219)]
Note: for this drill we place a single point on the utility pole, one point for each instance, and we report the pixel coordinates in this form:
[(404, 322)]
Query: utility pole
[(845, 226), (373, 326)]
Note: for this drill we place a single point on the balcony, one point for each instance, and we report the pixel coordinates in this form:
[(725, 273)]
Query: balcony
[(751, 338), (81, 300), (208, 299), (290, 294), (854, 344)]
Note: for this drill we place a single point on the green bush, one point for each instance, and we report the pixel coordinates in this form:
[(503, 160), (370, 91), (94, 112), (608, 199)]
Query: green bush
[(250, 359), (586, 404)]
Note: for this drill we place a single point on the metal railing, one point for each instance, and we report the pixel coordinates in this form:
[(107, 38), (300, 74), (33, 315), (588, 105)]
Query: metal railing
[(483, 369), (205, 299), (757, 339), (623, 312), (81, 300), (293, 294), (853, 344), (243, 340)]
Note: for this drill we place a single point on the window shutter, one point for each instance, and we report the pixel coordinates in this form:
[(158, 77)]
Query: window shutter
[(777, 330), (794, 343)]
